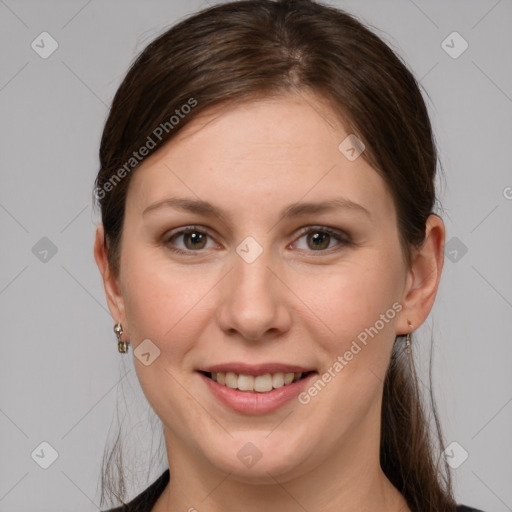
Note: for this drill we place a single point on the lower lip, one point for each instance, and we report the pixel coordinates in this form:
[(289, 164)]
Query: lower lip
[(253, 402)]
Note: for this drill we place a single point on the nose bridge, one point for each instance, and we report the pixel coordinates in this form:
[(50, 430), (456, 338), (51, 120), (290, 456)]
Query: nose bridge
[(252, 263), (254, 301)]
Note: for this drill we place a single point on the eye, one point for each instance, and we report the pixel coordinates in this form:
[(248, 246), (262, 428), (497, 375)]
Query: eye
[(319, 238), (193, 238)]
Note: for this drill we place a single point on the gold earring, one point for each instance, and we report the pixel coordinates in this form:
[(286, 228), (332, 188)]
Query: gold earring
[(408, 337), (122, 346)]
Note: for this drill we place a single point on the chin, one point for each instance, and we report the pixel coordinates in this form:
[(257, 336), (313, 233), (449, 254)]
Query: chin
[(254, 457)]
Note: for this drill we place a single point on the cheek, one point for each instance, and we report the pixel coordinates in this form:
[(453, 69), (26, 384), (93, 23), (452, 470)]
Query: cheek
[(349, 298), (163, 302), (357, 306)]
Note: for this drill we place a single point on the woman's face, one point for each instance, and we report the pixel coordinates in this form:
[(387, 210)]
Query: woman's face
[(264, 288)]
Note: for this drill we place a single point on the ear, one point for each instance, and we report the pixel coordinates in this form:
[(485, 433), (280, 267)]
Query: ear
[(423, 277), (110, 281)]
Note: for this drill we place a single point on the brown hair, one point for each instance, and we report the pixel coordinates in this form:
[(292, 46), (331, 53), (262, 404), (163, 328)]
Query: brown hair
[(244, 50)]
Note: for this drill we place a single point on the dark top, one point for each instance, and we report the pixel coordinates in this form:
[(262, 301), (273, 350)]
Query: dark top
[(147, 499)]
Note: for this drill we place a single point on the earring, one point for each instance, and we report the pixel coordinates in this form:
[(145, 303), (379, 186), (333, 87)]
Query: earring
[(122, 346), (408, 337)]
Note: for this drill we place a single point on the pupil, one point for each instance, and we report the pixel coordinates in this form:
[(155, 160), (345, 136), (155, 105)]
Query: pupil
[(316, 237), (195, 237)]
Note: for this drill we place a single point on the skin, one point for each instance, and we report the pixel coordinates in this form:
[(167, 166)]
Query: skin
[(295, 303)]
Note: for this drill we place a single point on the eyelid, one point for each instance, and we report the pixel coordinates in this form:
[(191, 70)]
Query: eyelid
[(341, 236), (184, 230), (326, 229)]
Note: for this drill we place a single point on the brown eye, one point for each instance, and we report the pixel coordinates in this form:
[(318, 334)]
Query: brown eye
[(194, 240), (319, 239)]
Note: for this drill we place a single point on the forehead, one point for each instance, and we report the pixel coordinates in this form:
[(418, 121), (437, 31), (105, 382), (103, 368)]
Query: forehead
[(261, 153)]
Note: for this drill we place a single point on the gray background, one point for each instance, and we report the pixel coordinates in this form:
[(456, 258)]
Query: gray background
[(60, 372)]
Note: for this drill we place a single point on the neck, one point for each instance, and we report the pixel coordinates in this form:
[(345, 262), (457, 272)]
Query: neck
[(348, 480)]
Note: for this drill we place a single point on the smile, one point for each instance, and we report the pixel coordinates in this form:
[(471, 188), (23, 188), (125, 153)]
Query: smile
[(242, 397), (259, 384)]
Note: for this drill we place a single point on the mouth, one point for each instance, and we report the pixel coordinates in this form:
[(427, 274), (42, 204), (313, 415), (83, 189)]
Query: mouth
[(263, 383), (262, 392)]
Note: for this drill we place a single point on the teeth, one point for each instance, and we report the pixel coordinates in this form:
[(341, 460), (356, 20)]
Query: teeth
[(246, 383), (263, 383), (231, 380), (260, 384), (278, 380)]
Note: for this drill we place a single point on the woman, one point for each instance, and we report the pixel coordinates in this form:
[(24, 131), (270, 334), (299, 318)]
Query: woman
[(268, 245)]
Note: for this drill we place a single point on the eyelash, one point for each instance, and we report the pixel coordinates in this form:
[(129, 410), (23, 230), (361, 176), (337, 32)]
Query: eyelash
[(343, 239)]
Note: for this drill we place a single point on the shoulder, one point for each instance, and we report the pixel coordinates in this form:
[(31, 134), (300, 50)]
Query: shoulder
[(460, 508), (145, 501)]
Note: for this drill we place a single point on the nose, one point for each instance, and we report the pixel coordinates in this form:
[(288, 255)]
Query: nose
[(255, 299)]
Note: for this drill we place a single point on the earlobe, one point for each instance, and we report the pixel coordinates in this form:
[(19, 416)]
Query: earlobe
[(424, 276), (110, 281)]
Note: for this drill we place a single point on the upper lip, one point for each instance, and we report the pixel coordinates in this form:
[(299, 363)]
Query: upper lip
[(255, 369)]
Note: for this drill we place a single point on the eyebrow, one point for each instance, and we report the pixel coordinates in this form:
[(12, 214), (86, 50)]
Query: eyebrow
[(293, 210)]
